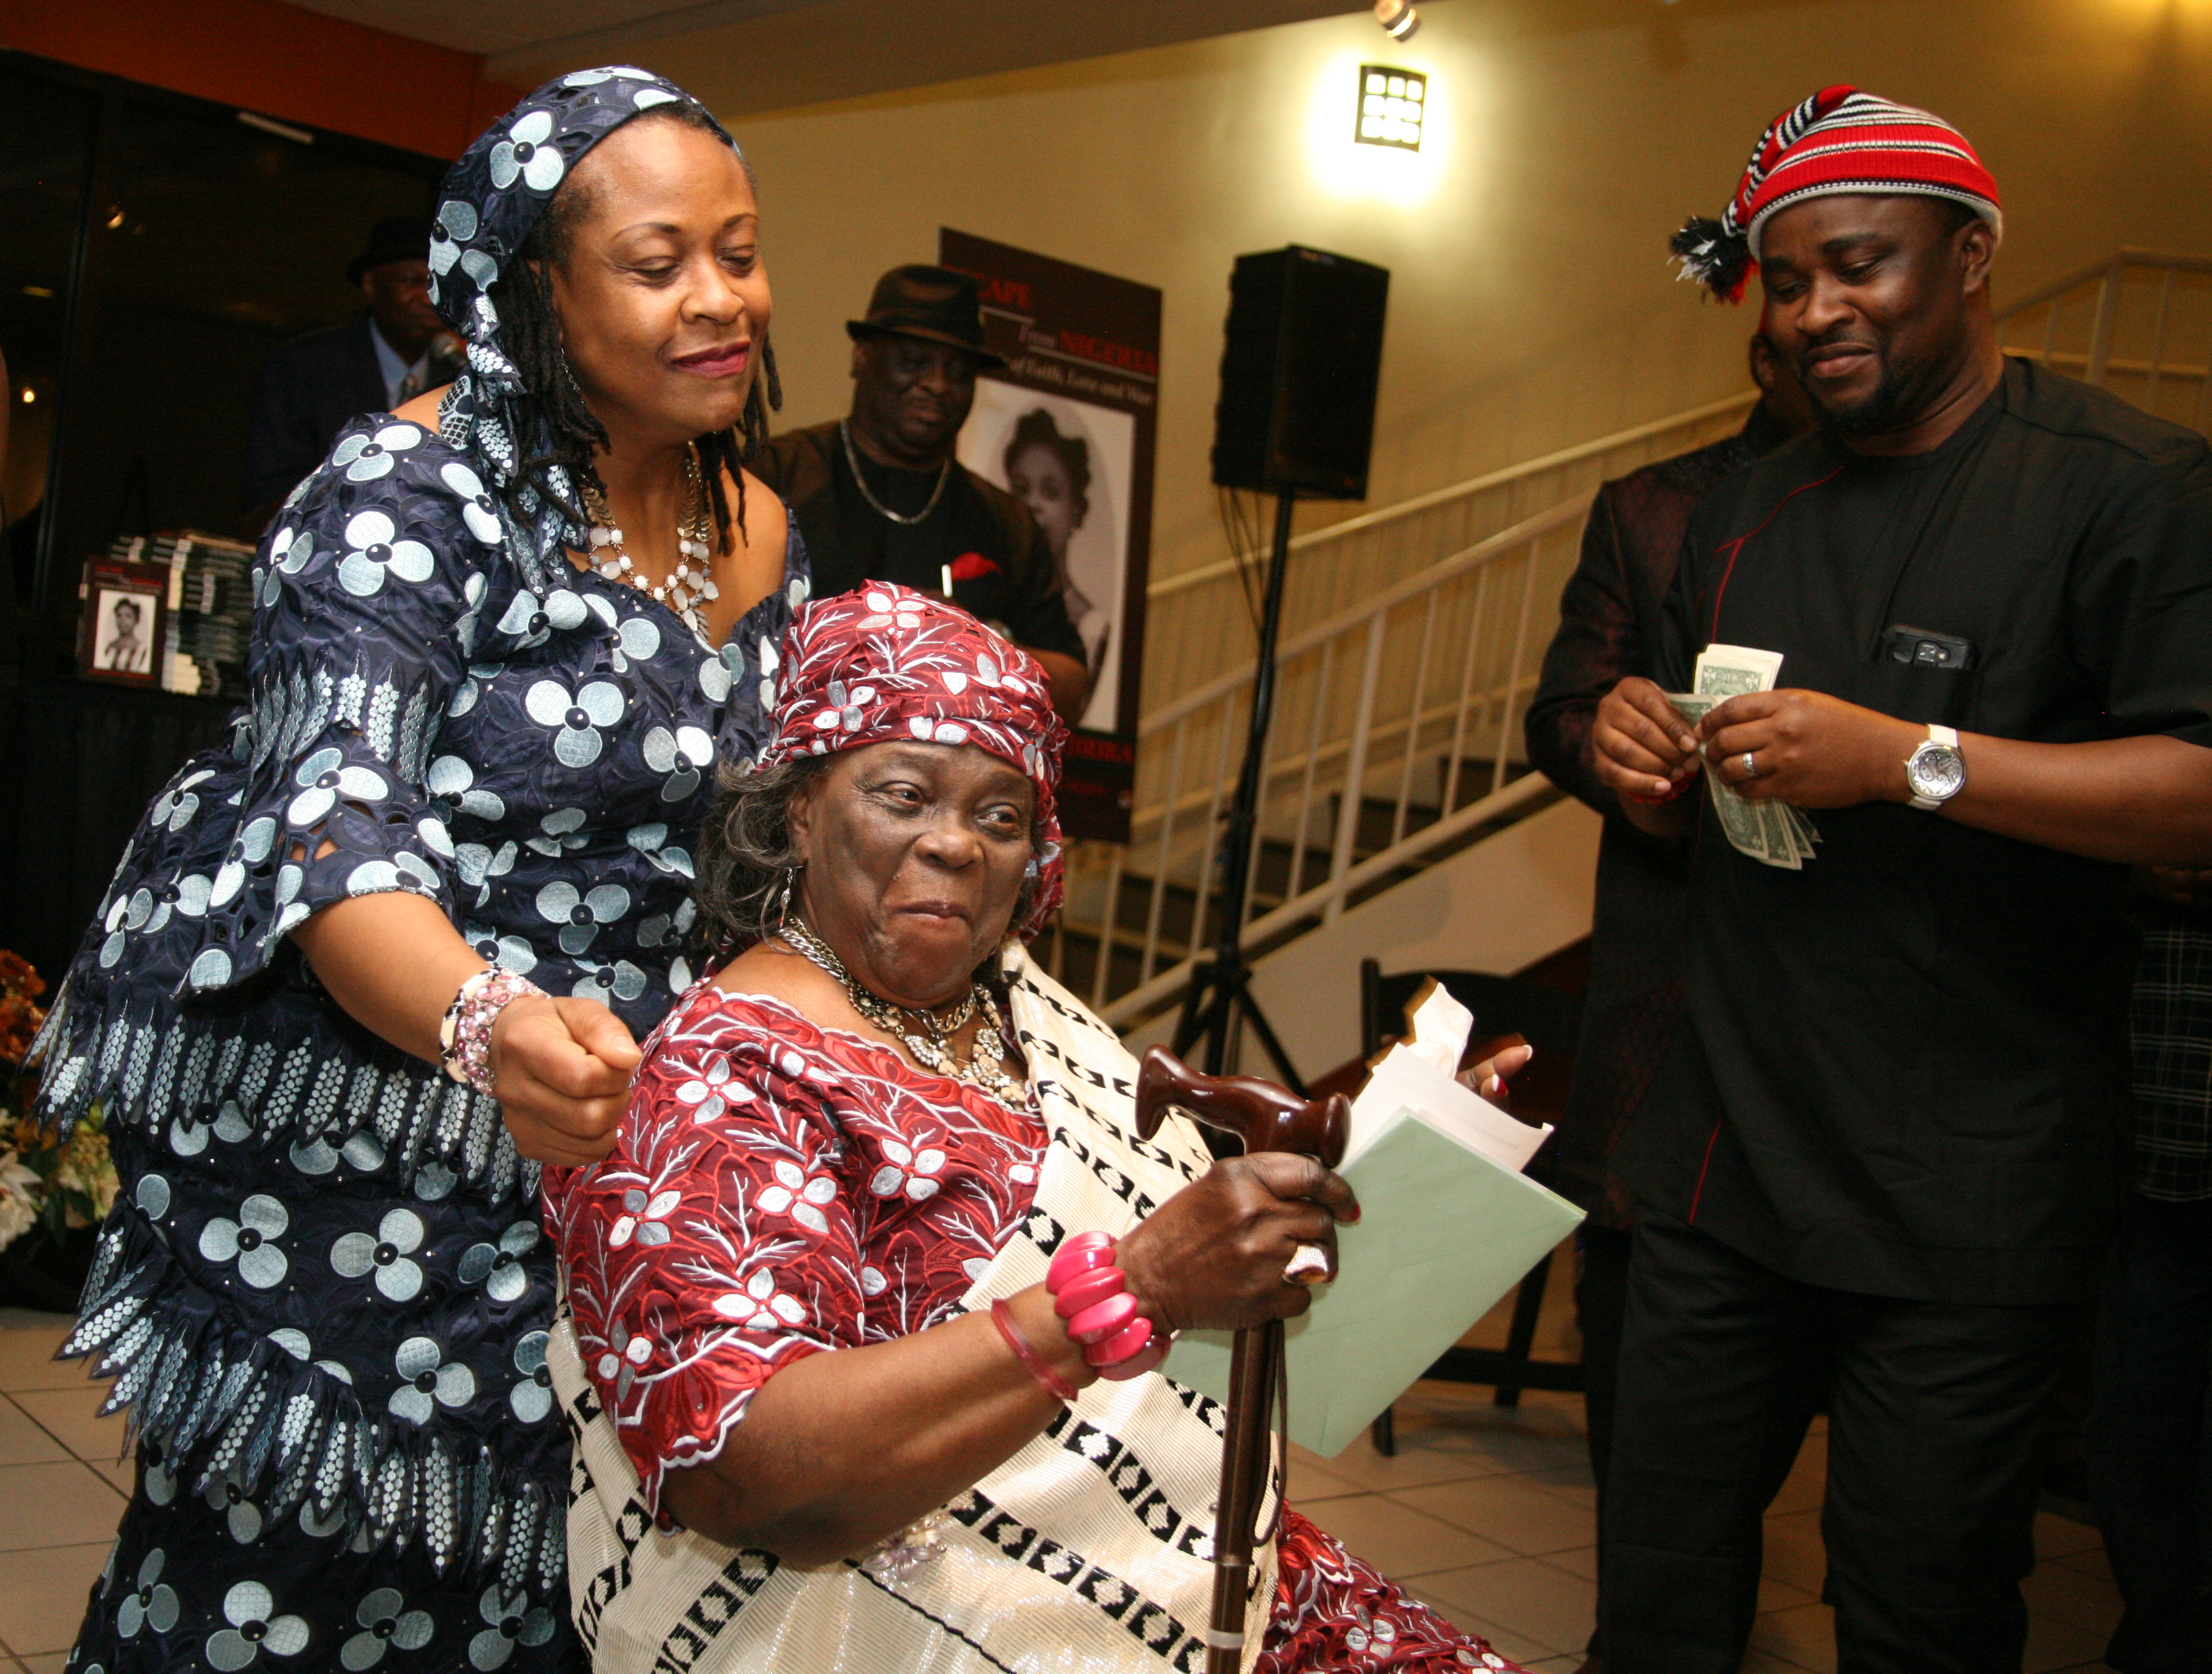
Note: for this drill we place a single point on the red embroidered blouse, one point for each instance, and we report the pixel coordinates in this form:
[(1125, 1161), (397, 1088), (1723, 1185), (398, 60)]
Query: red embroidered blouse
[(777, 1189)]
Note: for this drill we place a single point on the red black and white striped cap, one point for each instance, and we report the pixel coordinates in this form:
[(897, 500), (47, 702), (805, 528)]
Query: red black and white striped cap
[(1840, 140)]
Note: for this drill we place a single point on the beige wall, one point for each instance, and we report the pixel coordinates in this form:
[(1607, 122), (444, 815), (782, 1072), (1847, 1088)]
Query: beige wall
[(1531, 305)]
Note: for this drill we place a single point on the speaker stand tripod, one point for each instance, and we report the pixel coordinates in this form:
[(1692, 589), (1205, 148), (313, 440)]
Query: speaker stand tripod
[(1219, 1001)]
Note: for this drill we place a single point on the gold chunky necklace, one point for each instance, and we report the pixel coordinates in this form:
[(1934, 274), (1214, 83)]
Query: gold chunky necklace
[(932, 1046)]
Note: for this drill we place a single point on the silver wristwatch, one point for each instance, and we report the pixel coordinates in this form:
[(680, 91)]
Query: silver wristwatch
[(1936, 771)]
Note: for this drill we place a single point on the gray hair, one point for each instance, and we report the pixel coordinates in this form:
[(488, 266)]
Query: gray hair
[(743, 854)]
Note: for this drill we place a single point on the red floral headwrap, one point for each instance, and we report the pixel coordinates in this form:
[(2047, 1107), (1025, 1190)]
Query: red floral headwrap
[(884, 663)]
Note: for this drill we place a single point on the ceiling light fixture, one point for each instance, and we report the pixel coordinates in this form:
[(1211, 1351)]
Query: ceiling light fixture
[(1398, 18), (1392, 106)]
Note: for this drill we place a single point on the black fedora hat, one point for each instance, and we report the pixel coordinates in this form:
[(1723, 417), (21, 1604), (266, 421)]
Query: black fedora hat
[(932, 303), (396, 238)]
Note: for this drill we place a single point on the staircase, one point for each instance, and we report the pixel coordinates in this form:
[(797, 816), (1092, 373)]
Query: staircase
[(2138, 324), (1401, 682), (1404, 676)]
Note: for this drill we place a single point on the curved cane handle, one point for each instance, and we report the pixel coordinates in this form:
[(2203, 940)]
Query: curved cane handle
[(1265, 1116)]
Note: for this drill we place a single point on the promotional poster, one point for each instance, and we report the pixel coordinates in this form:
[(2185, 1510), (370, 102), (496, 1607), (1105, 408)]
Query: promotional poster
[(1068, 428)]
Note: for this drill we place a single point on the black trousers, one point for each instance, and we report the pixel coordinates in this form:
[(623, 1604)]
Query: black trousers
[(2150, 1436), (1601, 1300), (1934, 1412)]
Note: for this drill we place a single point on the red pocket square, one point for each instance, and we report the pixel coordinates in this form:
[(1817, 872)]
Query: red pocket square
[(972, 566)]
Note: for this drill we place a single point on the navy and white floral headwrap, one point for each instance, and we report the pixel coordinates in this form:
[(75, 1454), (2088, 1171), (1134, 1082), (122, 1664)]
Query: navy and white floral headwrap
[(488, 206)]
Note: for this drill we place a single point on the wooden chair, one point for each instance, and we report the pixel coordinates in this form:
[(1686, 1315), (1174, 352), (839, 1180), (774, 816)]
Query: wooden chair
[(1550, 1021)]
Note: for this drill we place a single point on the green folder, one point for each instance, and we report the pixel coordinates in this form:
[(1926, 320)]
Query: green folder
[(1442, 1234)]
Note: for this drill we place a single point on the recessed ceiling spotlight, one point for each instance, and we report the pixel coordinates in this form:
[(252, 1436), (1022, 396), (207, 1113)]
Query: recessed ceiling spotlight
[(1398, 18), (1393, 104)]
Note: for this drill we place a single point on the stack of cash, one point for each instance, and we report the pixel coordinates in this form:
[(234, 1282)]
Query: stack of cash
[(1773, 833)]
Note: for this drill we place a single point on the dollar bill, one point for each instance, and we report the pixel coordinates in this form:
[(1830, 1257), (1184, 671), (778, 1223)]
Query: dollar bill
[(1744, 823), (1772, 833), (1726, 671)]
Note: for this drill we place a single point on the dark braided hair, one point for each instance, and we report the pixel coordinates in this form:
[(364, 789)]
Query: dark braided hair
[(566, 433)]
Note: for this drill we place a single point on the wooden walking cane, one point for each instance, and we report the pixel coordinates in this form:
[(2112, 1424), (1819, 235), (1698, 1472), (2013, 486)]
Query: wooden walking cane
[(1265, 1117)]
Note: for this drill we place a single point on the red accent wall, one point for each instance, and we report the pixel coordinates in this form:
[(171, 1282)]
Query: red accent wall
[(280, 60)]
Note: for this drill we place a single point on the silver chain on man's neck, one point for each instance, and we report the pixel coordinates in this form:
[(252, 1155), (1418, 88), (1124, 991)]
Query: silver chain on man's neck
[(852, 458)]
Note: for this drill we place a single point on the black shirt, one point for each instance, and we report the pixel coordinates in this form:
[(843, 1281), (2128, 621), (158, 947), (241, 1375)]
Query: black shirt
[(1610, 625), (848, 541), (1905, 1065)]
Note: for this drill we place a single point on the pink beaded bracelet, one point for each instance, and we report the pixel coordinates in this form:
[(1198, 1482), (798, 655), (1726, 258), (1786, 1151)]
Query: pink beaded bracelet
[(1091, 1295)]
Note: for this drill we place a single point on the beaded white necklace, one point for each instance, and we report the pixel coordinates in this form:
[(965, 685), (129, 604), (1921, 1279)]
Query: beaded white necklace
[(688, 587)]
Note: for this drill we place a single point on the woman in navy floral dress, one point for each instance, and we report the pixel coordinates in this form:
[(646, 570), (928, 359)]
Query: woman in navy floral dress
[(324, 1292)]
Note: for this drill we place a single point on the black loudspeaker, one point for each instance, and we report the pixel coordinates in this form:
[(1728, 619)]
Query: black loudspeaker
[(1304, 352)]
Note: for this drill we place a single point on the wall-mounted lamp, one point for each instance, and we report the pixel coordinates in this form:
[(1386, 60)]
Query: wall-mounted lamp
[(1393, 104), (1398, 18)]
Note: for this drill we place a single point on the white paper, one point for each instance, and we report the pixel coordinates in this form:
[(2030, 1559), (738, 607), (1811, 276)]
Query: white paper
[(1403, 1081), (1443, 1236), (1440, 1026)]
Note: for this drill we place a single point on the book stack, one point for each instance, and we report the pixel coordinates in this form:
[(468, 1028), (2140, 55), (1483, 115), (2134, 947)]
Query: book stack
[(210, 608)]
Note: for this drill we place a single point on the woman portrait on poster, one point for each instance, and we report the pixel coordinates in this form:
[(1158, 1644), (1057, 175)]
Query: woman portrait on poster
[(1050, 472), (123, 647)]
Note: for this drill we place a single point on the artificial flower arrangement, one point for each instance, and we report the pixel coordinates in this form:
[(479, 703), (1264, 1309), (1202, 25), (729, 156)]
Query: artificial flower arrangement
[(49, 1186)]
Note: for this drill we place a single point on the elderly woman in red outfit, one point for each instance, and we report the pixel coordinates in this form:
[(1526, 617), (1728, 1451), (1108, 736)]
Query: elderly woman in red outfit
[(880, 1131)]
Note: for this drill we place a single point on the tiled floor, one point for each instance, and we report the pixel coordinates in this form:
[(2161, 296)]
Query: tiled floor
[(1488, 1514)]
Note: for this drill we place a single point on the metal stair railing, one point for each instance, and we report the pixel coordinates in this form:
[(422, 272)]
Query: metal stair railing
[(1199, 621), (2138, 323), (1404, 678), (1397, 721)]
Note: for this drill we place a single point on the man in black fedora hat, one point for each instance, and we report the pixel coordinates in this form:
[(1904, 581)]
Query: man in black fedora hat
[(385, 356), (879, 496)]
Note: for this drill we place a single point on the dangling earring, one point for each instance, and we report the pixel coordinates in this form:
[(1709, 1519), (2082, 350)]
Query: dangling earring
[(569, 375), (783, 902)]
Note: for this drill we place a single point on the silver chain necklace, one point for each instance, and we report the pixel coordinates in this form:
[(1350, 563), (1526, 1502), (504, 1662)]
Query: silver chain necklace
[(852, 458), (686, 588), (986, 1066)]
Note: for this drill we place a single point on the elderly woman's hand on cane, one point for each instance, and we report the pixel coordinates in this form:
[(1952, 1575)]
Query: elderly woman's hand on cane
[(1218, 1263)]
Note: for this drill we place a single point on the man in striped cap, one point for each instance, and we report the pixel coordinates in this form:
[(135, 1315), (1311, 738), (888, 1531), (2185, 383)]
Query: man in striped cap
[(1877, 1169)]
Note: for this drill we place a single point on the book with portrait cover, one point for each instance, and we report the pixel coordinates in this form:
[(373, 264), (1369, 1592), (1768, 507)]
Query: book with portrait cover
[(122, 621)]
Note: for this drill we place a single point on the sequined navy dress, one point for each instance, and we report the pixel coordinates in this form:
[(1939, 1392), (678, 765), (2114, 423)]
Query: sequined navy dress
[(324, 1290)]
